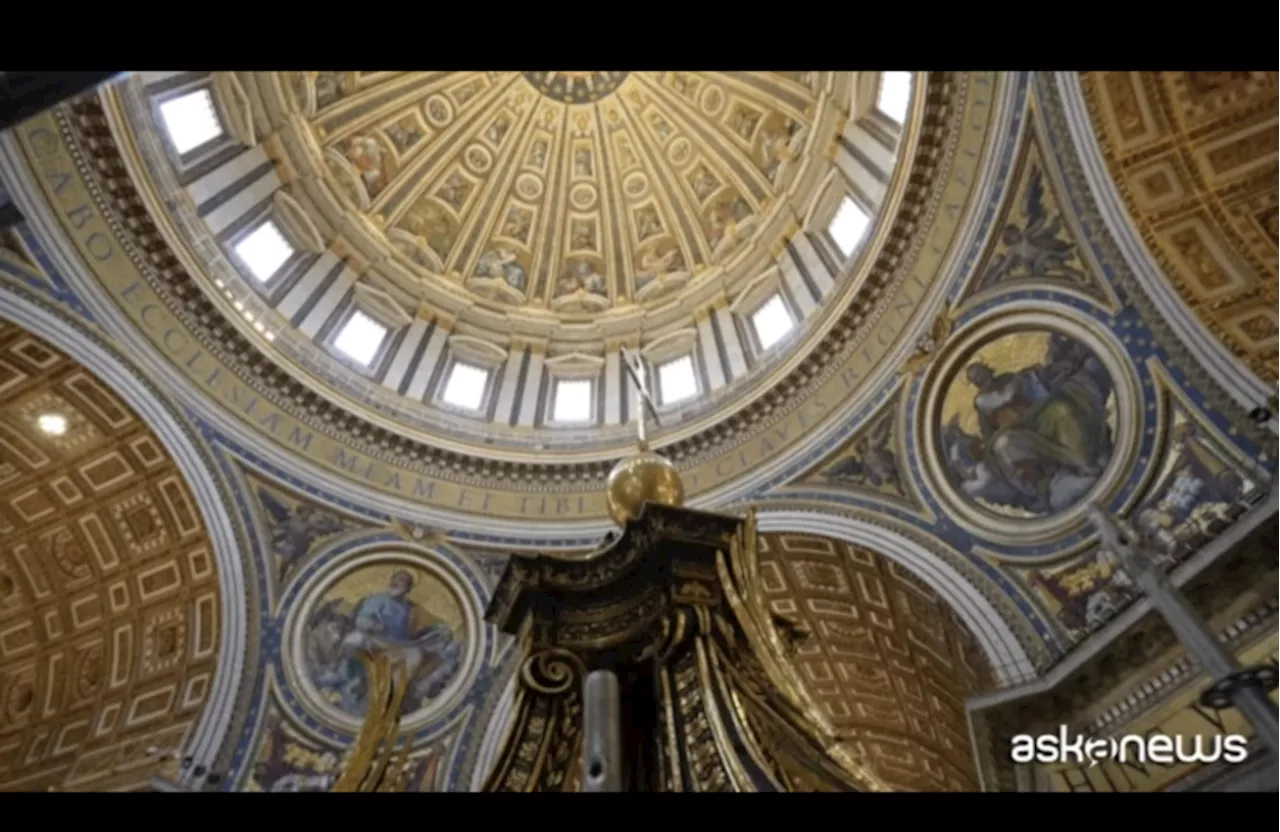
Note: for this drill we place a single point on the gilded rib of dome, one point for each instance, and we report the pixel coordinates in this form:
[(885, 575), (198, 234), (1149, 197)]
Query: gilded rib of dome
[(565, 194)]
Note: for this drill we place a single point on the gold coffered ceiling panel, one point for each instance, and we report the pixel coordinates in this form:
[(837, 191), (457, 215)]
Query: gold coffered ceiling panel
[(569, 192), (882, 654), (1195, 157), (109, 608)]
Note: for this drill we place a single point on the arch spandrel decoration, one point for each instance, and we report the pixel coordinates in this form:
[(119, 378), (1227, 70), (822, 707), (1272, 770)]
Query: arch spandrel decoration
[(339, 560), (1197, 484), (293, 529), (873, 460), (1036, 240), (1176, 431)]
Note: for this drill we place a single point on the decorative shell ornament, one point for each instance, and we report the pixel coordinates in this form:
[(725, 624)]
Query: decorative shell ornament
[(929, 344), (580, 301), (418, 534)]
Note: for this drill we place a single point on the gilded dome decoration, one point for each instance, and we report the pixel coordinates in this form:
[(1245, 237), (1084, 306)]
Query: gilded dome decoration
[(458, 254), (570, 194)]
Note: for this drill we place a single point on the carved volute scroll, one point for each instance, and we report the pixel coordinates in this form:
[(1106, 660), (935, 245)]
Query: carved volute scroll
[(709, 701)]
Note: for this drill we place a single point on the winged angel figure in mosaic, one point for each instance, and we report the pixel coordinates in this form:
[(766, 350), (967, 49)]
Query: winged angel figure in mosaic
[(1033, 249), (294, 529)]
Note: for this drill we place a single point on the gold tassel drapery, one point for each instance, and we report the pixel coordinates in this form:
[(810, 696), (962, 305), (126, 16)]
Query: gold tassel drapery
[(375, 763)]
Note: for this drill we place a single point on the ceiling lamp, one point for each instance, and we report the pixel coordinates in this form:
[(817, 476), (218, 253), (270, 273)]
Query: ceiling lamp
[(52, 424)]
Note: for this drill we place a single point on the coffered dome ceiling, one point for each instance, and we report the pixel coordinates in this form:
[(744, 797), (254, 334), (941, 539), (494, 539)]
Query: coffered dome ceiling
[(241, 256), (528, 224), (579, 196)]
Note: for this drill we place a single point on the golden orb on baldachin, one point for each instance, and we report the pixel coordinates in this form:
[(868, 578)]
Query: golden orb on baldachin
[(636, 480)]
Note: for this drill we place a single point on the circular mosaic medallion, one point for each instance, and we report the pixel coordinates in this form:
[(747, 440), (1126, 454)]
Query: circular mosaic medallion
[(576, 87), (1028, 418), (407, 605)]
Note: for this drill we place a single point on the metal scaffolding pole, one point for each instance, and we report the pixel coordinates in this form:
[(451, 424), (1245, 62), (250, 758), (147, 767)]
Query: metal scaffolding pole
[(1248, 689)]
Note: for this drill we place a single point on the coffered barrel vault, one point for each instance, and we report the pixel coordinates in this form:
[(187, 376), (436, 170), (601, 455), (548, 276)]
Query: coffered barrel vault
[(887, 659), (1195, 157), (109, 598)]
